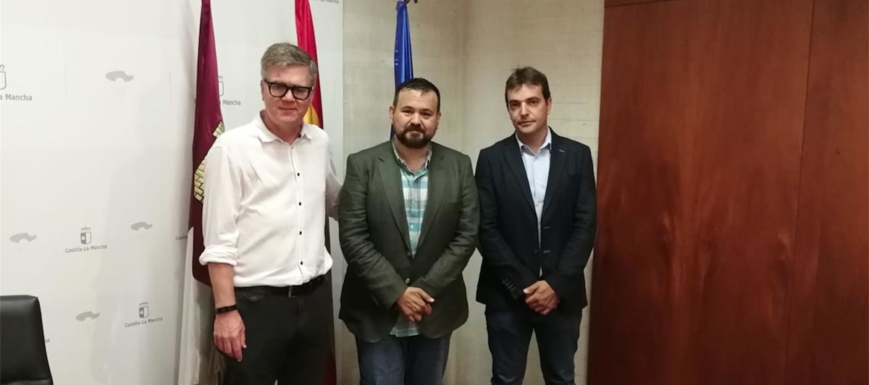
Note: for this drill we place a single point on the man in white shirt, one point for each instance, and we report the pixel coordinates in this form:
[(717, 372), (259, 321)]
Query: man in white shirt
[(268, 188)]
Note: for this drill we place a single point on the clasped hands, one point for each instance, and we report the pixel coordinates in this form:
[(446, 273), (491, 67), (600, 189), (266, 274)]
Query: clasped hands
[(541, 298), (415, 303)]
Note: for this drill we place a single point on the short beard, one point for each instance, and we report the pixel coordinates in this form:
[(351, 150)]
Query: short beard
[(413, 142)]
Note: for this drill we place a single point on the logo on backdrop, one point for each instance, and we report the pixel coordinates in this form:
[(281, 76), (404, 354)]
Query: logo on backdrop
[(143, 310), (85, 238), (116, 75), (2, 77), (87, 315), (220, 91), (12, 97), (144, 315), (141, 225), (18, 238)]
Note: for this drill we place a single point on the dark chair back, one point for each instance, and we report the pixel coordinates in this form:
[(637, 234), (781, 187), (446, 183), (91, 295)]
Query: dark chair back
[(23, 360)]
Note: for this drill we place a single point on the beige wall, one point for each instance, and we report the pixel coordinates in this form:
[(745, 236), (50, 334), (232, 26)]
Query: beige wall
[(467, 48), (562, 38)]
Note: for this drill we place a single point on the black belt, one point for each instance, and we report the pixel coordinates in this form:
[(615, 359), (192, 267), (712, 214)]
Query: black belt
[(287, 291)]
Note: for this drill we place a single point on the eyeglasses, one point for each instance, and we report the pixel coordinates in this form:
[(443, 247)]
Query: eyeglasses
[(280, 90)]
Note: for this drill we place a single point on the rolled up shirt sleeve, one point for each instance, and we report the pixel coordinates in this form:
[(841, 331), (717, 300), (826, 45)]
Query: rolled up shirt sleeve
[(221, 203)]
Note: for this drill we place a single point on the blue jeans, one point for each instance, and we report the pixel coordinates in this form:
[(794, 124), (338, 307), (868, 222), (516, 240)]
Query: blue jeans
[(394, 360), (510, 335)]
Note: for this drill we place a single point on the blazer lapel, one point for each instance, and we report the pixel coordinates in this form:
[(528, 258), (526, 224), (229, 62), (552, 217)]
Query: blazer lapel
[(437, 178), (513, 156), (557, 161), (388, 172)]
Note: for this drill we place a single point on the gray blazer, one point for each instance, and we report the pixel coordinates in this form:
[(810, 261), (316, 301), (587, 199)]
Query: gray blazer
[(375, 242)]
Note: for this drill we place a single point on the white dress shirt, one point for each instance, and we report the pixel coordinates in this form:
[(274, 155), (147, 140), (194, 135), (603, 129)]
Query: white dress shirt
[(265, 205)]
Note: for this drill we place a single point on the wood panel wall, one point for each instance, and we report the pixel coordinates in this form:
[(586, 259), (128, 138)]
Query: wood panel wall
[(733, 195)]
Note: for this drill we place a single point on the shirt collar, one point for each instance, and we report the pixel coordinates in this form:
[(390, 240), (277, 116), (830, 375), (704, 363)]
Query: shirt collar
[(546, 142), (267, 136), (403, 164)]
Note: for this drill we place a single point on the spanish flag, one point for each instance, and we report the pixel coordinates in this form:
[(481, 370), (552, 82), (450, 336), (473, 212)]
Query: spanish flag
[(308, 43)]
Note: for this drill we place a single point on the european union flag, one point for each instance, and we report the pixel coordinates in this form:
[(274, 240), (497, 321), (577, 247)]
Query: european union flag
[(403, 56)]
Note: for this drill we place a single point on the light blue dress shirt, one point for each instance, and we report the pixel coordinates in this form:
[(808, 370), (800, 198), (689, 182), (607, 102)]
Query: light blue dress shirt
[(537, 170)]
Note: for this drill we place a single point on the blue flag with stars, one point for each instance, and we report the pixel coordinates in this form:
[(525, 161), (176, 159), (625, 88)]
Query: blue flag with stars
[(403, 56)]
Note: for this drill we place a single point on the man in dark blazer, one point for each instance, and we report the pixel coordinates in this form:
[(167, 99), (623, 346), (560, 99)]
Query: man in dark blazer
[(408, 217), (537, 229)]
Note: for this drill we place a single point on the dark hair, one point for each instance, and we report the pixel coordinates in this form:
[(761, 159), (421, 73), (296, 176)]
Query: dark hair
[(527, 76), (417, 84)]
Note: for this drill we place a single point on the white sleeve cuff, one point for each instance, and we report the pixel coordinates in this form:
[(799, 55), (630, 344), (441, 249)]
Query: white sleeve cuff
[(219, 254)]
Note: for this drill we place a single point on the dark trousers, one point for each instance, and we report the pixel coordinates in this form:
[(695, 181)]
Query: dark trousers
[(416, 360), (287, 338), (509, 337)]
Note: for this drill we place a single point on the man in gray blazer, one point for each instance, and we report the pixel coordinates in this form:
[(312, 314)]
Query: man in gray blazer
[(408, 220)]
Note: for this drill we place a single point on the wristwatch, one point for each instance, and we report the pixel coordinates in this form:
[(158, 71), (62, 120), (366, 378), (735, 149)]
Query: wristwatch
[(226, 309)]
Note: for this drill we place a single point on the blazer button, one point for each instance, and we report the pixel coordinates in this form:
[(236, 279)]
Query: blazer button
[(407, 280)]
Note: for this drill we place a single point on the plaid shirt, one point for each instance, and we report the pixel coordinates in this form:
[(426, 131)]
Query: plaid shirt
[(415, 186)]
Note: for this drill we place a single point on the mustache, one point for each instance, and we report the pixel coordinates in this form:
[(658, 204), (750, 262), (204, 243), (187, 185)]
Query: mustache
[(416, 128)]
